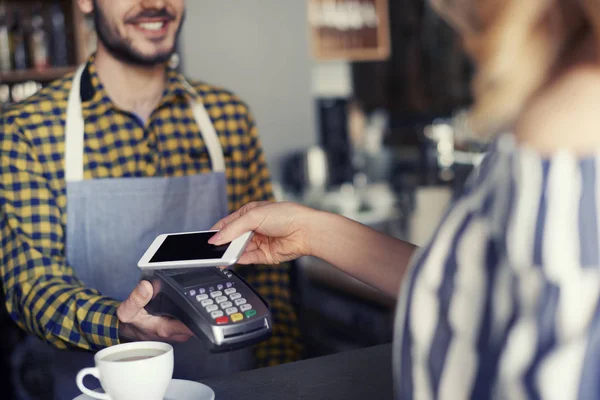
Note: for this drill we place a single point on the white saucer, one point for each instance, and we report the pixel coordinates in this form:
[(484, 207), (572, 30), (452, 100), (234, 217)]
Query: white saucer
[(179, 390)]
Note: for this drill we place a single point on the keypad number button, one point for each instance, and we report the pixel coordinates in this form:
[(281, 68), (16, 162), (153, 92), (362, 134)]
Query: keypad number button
[(245, 307), (212, 307), (201, 297), (226, 304), (239, 302), (231, 310)]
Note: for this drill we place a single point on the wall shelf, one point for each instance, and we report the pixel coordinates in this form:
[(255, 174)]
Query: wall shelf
[(47, 75), (349, 30)]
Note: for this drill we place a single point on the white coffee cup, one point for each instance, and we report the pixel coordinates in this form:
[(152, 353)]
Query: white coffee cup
[(138, 370)]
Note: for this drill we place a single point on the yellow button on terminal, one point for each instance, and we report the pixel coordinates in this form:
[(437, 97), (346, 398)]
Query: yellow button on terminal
[(236, 317)]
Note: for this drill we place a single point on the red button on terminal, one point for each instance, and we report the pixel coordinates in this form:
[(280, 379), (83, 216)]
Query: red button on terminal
[(222, 320)]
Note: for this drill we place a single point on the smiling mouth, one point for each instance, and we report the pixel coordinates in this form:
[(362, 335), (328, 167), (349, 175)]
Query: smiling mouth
[(152, 27)]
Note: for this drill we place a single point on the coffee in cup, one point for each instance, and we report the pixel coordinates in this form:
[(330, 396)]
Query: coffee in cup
[(139, 370), (133, 355)]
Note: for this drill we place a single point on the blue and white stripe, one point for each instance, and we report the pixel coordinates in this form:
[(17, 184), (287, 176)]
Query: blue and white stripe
[(503, 302)]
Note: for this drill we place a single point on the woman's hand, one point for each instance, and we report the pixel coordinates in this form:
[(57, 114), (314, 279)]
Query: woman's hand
[(285, 231), (280, 231)]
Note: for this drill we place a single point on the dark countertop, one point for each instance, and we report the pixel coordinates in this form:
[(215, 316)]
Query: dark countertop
[(363, 374)]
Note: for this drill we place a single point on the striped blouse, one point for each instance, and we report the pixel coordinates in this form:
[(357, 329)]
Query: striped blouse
[(503, 301)]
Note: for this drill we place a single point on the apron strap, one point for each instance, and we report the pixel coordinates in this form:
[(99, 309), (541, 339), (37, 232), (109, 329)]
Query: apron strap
[(75, 132), (209, 134)]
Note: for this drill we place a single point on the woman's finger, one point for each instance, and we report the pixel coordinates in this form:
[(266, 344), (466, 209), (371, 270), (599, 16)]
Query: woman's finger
[(247, 222), (237, 214), (251, 246), (253, 257), (223, 222)]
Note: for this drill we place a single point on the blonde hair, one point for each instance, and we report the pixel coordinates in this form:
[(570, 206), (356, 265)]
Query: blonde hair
[(516, 46)]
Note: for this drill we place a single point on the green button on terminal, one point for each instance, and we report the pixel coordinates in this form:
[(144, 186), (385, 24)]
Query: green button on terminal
[(250, 313)]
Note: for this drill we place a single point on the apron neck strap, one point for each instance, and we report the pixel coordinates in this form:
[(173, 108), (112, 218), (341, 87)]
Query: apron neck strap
[(75, 131), (207, 129)]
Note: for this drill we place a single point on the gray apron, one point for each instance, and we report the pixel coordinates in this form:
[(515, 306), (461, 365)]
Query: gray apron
[(111, 222)]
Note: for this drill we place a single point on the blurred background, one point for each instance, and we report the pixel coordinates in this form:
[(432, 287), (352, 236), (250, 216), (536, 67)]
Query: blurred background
[(360, 105)]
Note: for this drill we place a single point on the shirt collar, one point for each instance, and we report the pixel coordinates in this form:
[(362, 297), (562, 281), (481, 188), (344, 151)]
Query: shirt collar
[(177, 87), (93, 91)]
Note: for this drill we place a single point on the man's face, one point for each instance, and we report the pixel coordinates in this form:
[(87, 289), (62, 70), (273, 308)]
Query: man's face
[(139, 32)]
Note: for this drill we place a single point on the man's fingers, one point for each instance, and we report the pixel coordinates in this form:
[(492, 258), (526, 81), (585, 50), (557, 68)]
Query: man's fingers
[(180, 338), (168, 329), (137, 300)]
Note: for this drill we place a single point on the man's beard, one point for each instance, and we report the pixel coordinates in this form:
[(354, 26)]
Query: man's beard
[(122, 50)]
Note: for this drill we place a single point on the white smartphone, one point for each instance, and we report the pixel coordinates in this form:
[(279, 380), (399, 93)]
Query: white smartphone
[(191, 249)]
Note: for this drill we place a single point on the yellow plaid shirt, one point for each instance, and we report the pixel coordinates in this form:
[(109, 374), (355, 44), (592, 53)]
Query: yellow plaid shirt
[(43, 294)]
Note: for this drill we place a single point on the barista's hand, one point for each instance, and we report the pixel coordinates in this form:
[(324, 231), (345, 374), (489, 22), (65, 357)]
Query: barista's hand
[(136, 324), (281, 231)]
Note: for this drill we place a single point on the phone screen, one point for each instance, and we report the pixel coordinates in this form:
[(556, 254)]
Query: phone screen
[(190, 246)]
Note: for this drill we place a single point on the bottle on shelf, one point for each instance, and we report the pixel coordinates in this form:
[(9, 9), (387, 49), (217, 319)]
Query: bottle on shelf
[(5, 55), (38, 40), (4, 94), (19, 44), (60, 57)]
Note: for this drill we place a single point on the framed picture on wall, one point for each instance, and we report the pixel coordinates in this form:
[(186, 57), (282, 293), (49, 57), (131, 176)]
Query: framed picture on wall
[(350, 30)]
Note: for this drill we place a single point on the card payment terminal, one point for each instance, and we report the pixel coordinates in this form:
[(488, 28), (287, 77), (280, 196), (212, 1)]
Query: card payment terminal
[(217, 305)]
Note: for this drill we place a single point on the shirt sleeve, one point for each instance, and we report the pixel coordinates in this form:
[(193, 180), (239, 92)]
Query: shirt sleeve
[(43, 295), (259, 187), (551, 234)]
